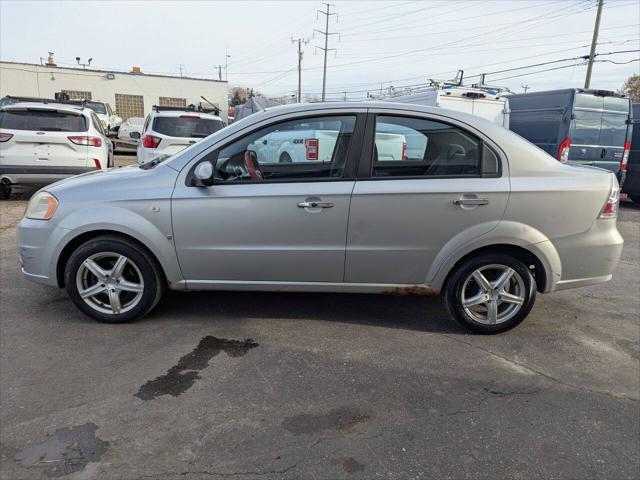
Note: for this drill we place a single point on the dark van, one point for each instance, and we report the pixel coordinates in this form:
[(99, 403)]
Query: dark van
[(588, 127), (631, 184)]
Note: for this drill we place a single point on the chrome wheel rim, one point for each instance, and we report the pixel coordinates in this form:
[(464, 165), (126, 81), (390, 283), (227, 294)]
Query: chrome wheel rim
[(110, 283), (493, 294)]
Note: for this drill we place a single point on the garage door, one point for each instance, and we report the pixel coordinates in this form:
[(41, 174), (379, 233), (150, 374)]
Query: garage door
[(129, 105)]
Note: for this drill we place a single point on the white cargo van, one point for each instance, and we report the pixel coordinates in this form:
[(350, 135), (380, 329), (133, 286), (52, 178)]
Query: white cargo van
[(484, 103)]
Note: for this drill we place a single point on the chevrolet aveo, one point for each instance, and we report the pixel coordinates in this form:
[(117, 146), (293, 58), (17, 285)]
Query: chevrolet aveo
[(405, 199)]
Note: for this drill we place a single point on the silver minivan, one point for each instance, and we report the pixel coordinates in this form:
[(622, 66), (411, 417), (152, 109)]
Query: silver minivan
[(471, 211)]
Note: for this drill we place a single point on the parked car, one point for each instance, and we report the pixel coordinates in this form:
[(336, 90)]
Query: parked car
[(485, 103), (480, 215), (108, 118), (631, 184), (168, 130), (130, 132), (586, 127), (41, 143)]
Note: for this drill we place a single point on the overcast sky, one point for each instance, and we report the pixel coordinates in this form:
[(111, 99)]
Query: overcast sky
[(380, 43)]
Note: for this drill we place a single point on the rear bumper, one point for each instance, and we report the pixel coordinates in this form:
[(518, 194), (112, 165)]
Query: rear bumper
[(38, 175), (590, 257)]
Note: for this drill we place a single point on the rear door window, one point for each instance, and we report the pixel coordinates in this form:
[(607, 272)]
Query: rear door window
[(42, 120), (586, 127), (189, 126), (614, 129)]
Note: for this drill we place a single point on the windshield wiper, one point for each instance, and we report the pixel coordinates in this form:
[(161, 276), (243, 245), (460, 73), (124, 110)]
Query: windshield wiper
[(154, 162)]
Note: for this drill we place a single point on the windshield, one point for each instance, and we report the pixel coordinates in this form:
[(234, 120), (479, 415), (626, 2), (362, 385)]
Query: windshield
[(189, 126), (96, 107), (42, 120)]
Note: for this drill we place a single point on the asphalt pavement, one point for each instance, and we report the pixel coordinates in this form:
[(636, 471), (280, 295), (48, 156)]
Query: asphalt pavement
[(318, 386)]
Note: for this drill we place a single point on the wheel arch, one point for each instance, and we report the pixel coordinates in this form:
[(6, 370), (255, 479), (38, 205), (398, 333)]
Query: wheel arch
[(520, 240), (84, 237)]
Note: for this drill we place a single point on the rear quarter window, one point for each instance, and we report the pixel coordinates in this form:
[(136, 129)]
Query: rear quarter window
[(186, 126), (42, 120)]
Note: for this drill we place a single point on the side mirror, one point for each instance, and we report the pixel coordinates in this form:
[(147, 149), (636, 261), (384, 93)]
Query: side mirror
[(135, 135), (203, 174)]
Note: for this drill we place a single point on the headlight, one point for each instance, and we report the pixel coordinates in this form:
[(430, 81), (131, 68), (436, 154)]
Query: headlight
[(42, 206)]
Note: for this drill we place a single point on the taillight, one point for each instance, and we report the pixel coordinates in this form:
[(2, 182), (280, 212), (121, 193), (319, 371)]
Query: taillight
[(97, 162), (85, 140), (311, 146), (404, 150), (149, 141), (5, 136), (563, 151), (625, 156), (610, 209)]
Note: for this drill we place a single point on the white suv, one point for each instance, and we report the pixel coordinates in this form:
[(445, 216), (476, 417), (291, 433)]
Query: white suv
[(42, 142), (168, 130)]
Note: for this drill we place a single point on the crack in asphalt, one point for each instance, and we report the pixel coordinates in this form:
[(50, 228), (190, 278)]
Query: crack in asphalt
[(544, 375)]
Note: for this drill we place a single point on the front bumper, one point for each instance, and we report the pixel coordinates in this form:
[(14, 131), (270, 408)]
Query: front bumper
[(38, 241)]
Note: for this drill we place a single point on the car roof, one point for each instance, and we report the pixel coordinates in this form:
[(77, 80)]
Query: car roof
[(46, 106)]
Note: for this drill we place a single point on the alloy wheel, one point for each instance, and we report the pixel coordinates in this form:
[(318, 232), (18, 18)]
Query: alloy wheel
[(493, 294), (110, 283)]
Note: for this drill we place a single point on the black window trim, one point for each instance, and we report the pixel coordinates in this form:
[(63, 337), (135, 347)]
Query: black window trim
[(365, 167), (351, 162)]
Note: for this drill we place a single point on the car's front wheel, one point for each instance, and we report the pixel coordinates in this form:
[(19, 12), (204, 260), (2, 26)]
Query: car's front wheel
[(490, 293), (113, 280)]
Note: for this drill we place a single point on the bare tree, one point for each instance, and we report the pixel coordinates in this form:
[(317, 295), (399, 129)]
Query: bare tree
[(631, 87)]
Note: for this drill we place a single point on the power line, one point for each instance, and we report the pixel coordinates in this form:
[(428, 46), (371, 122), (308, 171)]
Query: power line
[(326, 48), (300, 41)]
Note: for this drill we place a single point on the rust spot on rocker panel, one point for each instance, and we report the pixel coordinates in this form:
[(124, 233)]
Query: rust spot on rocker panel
[(410, 290)]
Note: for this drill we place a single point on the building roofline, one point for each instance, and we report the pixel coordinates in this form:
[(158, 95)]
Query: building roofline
[(119, 72)]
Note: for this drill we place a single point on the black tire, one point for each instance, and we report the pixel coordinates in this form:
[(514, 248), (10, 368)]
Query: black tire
[(285, 158), (139, 264), (635, 198), (524, 283), (5, 191)]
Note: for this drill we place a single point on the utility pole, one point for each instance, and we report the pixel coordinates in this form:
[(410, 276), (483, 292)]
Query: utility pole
[(326, 48), (219, 67), (226, 63), (594, 42), (180, 68), (300, 41), (525, 88)]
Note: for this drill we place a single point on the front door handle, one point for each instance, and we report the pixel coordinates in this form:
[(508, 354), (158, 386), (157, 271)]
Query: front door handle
[(313, 204), (471, 201)]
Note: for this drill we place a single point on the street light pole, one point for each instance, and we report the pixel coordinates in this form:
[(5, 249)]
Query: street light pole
[(594, 42)]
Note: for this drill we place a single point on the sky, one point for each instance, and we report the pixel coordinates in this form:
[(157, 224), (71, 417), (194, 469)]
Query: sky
[(378, 44)]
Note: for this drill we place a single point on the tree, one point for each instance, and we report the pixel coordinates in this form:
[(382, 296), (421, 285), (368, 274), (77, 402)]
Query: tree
[(631, 87)]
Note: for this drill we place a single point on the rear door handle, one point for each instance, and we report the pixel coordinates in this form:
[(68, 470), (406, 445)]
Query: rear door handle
[(315, 205), (471, 201)]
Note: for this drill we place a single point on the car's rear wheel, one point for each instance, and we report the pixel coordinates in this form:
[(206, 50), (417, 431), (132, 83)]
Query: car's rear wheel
[(113, 280), (635, 198), (285, 158), (490, 293), (5, 191)]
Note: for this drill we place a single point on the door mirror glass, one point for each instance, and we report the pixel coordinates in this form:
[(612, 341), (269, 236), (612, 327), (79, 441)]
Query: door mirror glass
[(204, 174), (135, 135)]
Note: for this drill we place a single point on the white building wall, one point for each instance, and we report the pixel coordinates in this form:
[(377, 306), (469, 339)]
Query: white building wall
[(24, 79)]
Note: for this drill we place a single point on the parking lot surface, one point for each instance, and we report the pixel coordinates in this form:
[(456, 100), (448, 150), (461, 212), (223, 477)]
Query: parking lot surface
[(320, 386)]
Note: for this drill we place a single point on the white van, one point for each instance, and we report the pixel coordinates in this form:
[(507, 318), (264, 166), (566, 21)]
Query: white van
[(485, 103)]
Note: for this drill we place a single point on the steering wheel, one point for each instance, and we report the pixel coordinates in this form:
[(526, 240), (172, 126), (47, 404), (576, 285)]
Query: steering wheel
[(252, 166)]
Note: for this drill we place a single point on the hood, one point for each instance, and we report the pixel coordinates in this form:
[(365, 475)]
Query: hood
[(123, 183)]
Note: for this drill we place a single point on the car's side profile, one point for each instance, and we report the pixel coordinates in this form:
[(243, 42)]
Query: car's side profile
[(472, 211)]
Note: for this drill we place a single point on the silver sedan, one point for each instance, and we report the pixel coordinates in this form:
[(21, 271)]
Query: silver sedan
[(404, 199)]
